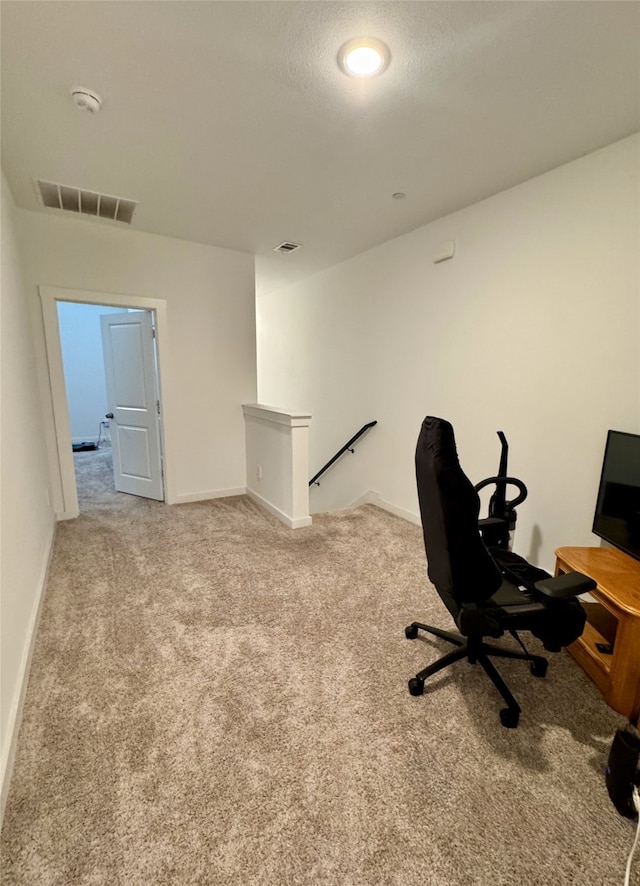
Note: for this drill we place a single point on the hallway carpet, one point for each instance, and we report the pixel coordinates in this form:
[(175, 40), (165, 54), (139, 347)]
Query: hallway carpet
[(216, 699)]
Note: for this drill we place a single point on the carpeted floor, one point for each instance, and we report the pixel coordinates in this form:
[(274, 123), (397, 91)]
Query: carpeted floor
[(215, 699)]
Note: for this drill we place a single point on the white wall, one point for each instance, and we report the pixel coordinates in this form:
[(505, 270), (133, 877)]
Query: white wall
[(27, 520), (532, 328), (81, 343), (211, 329), (313, 355)]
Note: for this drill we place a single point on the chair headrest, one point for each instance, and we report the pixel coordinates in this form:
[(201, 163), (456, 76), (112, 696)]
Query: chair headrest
[(438, 436)]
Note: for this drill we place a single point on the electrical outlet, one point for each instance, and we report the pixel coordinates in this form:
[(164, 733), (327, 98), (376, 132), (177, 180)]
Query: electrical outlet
[(259, 472)]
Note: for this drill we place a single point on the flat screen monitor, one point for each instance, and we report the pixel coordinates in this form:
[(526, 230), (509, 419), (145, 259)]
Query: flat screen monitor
[(617, 516)]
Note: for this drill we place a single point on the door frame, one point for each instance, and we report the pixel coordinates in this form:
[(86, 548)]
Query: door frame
[(66, 498)]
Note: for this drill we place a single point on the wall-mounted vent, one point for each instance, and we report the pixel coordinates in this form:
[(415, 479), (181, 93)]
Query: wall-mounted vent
[(86, 202), (287, 247)]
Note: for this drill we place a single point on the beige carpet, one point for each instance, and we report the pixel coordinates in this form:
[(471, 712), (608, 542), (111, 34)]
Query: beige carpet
[(215, 699)]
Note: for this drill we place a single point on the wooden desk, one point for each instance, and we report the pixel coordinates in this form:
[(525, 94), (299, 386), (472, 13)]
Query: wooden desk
[(614, 619)]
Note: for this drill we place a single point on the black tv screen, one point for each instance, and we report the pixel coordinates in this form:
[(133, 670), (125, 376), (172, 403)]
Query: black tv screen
[(617, 516)]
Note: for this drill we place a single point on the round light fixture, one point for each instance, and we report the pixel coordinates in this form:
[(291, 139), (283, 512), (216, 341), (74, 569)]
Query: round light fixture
[(364, 57)]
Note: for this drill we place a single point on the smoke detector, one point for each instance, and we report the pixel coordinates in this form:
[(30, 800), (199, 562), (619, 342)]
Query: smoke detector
[(86, 99)]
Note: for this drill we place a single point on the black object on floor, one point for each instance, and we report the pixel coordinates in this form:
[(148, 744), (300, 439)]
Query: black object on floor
[(623, 770), (83, 447)]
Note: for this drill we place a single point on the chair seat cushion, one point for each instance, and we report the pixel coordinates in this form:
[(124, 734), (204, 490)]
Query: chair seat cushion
[(515, 608), (514, 600), (517, 568)]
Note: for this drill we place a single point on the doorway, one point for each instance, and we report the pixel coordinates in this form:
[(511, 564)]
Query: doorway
[(61, 456), (111, 385)]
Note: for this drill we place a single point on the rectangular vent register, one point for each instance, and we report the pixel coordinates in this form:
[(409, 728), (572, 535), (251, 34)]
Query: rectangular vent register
[(56, 196), (286, 247)]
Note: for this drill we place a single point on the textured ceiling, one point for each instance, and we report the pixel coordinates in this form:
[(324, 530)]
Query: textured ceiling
[(232, 124)]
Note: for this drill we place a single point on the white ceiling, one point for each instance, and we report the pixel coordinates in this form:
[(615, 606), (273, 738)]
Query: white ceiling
[(232, 124)]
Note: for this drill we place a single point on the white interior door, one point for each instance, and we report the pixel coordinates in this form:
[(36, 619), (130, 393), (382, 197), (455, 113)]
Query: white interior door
[(130, 372)]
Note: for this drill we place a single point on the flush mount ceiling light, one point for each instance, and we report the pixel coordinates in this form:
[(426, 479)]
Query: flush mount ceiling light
[(364, 57)]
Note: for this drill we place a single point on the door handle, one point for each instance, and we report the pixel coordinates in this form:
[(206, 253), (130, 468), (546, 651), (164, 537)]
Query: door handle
[(109, 415)]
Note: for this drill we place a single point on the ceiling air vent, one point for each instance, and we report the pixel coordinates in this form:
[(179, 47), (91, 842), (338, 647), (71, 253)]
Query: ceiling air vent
[(286, 247), (86, 202)]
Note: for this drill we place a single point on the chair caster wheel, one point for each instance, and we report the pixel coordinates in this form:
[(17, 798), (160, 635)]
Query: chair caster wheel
[(411, 632), (509, 718), (539, 667), (416, 686)]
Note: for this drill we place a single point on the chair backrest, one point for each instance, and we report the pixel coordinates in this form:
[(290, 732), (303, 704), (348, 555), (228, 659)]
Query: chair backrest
[(459, 565)]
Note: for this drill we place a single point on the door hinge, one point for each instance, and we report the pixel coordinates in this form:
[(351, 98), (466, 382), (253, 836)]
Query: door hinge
[(158, 406), (153, 332)]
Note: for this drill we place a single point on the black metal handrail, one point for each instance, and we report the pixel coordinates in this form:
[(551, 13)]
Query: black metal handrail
[(347, 446)]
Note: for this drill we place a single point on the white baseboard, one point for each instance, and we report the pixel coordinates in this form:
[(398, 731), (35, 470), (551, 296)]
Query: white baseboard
[(206, 496), (67, 515), (370, 497), (291, 522), (17, 705)]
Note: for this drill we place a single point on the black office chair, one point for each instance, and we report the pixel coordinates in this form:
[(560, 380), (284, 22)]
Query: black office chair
[(487, 593)]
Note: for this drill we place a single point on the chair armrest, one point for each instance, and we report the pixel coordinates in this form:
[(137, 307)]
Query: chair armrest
[(563, 587)]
